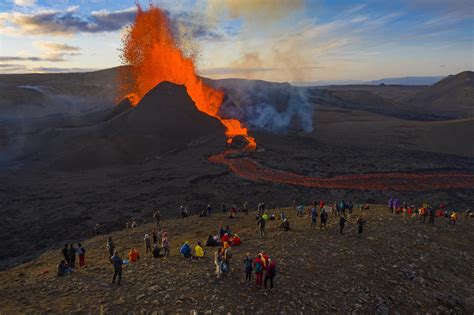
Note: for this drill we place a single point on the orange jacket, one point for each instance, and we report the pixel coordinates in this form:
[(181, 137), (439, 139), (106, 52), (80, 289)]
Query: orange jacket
[(133, 255)]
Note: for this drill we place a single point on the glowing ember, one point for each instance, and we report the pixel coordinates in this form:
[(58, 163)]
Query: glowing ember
[(250, 169), (154, 56)]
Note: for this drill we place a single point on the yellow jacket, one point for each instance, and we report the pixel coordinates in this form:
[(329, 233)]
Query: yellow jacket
[(199, 251)]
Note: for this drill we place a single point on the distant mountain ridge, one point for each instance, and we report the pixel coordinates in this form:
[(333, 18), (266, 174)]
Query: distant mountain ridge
[(422, 80)]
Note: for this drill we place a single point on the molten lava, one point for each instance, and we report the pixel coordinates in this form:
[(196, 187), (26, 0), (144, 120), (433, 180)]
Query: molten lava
[(154, 56), (250, 169)]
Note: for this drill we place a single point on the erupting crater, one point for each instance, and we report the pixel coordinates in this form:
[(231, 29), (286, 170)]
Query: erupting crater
[(154, 56)]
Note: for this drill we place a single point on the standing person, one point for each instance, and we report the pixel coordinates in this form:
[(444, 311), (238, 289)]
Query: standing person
[(324, 218), (209, 210), (218, 262), (453, 218), (258, 266), (65, 252), (245, 208), (360, 225), (270, 272), (342, 222), (390, 205), (157, 217), (227, 255), (314, 216), (82, 254), (248, 268), (165, 243), (261, 226), (72, 256), (155, 237), (117, 262), (431, 213), (110, 247), (147, 243), (350, 206), (422, 212), (223, 208)]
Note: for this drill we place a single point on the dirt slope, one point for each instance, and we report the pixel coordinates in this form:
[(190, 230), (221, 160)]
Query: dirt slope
[(397, 266)]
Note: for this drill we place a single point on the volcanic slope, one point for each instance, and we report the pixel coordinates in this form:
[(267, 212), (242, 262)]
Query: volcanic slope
[(165, 119), (397, 266)]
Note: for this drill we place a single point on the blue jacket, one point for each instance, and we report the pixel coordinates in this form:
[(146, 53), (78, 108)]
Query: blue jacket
[(185, 250)]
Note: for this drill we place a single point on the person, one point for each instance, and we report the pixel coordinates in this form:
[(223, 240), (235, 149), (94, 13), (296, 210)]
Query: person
[(314, 216), (223, 208), (300, 211), (209, 210), (232, 212), (133, 255), (128, 224), (185, 250), (360, 225), (203, 213), (410, 212), (72, 256), (431, 213), (110, 247), (390, 205), (270, 273), (65, 252), (245, 208), (395, 204), (258, 266), (98, 229), (342, 222), (422, 212), (261, 225), (218, 262), (454, 218), (134, 224), (117, 263), (324, 218), (221, 232), (248, 268), (199, 251), (156, 251), (350, 206), (183, 211), (285, 225), (147, 243), (321, 204), (228, 231), (62, 269), (225, 238), (235, 241), (155, 237), (157, 217), (81, 251), (165, 244), (227, 255), (342, 207), (212, 241)]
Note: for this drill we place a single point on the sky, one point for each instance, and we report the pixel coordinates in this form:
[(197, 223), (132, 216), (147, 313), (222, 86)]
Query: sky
[(275, 40)]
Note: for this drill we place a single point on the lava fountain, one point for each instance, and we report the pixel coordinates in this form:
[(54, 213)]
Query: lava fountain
[(154, 56)]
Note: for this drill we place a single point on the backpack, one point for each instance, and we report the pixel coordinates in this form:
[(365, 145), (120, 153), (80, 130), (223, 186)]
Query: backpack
[(258, 267)]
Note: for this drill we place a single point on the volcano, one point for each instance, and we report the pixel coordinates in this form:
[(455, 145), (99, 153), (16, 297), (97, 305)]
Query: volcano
[(164, 120)]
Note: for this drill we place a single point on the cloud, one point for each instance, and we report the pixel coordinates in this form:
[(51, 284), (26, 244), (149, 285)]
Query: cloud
[(18, 58), (51, 46), (25, 3), (254, 10), (62, 70), (67, 22)]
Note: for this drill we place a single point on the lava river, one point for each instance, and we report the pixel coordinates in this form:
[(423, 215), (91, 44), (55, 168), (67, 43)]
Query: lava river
[(252, 170)]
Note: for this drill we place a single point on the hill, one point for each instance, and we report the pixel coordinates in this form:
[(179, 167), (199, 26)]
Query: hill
[(452, 97), (397, 266)]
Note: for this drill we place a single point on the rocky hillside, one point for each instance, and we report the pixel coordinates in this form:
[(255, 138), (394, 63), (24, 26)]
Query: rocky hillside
[(397, 266)]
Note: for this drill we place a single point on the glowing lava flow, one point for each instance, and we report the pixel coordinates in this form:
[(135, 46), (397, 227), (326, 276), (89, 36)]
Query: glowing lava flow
[(250, 169), (154, 56)]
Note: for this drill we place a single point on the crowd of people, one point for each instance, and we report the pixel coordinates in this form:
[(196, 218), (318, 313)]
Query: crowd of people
[(157, 243)]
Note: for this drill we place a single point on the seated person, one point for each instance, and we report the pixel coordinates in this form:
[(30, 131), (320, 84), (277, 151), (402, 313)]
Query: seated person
[(272, 216), (156, 251), (185, 250), (133, 255), (212, 241), (225, 238), (235, 241), (63, 269), (285, 225), (199, 251)]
